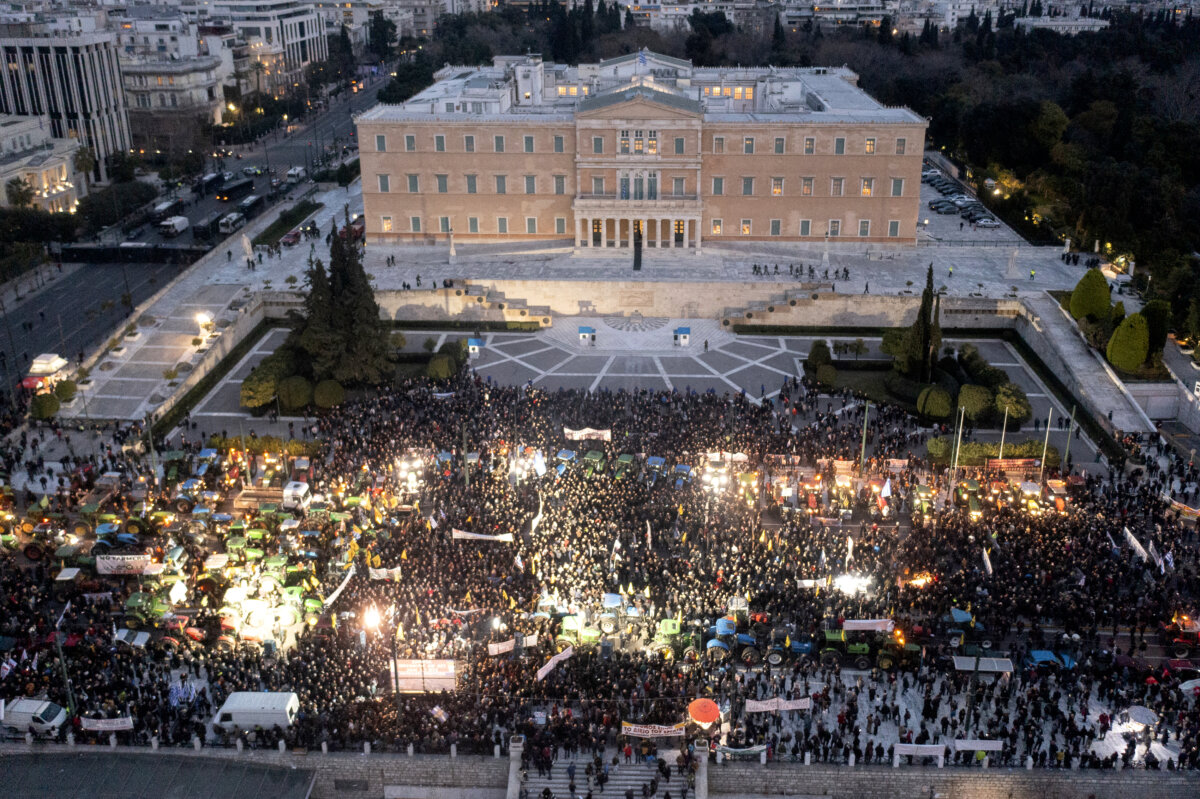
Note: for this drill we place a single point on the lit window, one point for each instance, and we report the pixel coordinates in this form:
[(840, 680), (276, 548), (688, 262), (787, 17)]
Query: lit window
[(776, 187), (562, 91), (810, 145), (386, 224), (806, 187), (737, 92), (868, 187), (745, 227), (749, 92), (716, 227), (870, 147), (748, 145)]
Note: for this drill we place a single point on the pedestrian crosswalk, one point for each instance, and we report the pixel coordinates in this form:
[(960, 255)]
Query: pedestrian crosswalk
[(626, 781)]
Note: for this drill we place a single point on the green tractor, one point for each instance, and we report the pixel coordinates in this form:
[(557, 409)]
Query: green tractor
[(671, 642), (573, 633), (145, 610), (837, 649), (624, 466), (593, 463), (896, 653)]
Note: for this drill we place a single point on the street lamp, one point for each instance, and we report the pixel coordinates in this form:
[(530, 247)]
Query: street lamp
[(204, 320)]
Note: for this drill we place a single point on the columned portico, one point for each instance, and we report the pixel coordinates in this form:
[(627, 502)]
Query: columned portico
[(618, 232)]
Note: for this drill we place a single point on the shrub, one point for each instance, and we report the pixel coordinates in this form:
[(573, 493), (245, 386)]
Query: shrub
[(1158, 321), (397, 340), (934, 403), (977, 402), (440, 367), (1013, 397), (974, 453), (1130, 344), (902, 388), (430, 344), (940, 448), (65, 390), (261, 385), (295, 392), (826, 375), (1091, 296), (44, 406), (978, 369), (456, 349), (328, 394), (818, 356)]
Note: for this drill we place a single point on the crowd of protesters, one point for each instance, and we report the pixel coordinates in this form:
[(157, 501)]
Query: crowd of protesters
[(1071, 583)]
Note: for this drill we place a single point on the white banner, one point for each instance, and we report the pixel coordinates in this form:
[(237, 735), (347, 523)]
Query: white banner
[(502, 647), (869, 625), (778, 703), (460, 535), (976, 745), (1138, 549), (987, 562), (651, 730), (107, 725), (419, 676), (554, 661), (921, 750), (329, 600), (385, 574), (587, 434), (1158, 561), (121, 564)]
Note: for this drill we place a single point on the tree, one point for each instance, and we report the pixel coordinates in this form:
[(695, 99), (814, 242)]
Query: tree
[(65, 390), (934, 403), (778, 37), (320, 337), (826, 375), (440, 367), (262, 384), (85, 164), (1012, 397), (977, 401), (44, 406), (295, 393), (1191, 324), (364, 357), (885, 30), (258, 68), (1130, 344), (381, 35), (1090, 298), (818, 356), (328, 394), (1158, 321), (19, 192)]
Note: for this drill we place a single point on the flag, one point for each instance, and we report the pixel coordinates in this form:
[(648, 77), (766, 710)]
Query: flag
[(987, 561), (641, 59), (404, 555), (7, 667), (887, 488), (433, 522), (33, 666), (519, 561), (24, 655)]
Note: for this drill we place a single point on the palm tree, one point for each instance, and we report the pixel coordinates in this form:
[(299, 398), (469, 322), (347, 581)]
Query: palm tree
[(19, 192), (258, 68), (85, 162)]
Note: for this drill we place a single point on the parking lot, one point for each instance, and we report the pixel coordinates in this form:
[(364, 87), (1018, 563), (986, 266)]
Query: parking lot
[(951, 228)]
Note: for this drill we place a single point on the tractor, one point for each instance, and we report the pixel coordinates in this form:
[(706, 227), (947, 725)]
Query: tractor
[(671, 642), (573, 633)]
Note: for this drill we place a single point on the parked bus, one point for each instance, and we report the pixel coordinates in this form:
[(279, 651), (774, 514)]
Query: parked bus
[(231, 222), (207, 228), (235, 190), (165, 209), (209, 182), (252, 205)]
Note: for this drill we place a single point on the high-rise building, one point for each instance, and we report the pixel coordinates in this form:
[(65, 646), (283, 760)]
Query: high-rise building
[(642, 146), (64, 65)]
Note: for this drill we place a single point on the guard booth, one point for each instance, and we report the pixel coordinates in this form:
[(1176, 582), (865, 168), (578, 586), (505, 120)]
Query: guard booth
[(683, 336), (587, 336), (474, 345)]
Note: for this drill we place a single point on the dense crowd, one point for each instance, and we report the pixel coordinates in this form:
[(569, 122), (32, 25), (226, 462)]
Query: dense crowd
[(1065, 582)]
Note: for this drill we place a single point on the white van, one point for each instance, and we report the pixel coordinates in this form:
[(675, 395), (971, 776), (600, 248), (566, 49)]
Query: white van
[(231, 222), (19, 716), (249, 709), (296, 496), (296, 174)]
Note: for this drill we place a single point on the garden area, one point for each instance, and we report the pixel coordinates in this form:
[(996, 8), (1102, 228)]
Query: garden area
[(286, 220), (1131, 343)]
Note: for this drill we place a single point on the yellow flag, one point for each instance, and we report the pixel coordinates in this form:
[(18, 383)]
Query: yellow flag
[(787, 642), (684, 539), (418, 617), (762, 537), (375, 561), (512, 603), (468, 598), (404, 555), (771, 545)]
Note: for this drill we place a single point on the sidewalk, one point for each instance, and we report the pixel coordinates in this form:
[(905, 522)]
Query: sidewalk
[(16, 292)]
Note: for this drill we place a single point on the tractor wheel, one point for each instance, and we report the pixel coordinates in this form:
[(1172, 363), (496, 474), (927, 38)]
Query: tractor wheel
[(608, 625), (751, 656), (985, 645), (34, 551), (81, 528), (664, 651), (135, 526), (862, 663), (691, 654), (27, 526), (1178, 650), (562, 643), (829, 659), (775, 657), (184, 505), (885, 662), (718, 655)]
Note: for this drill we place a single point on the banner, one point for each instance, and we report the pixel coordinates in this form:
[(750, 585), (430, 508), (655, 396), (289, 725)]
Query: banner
[(778, 703), (385, 574), (1183, 510), (1138, 549), (747, 752), (587, 434), (502, 647), (976, 745), (1013, 464), (987, 562), (421, 676), (464, 535), (1154, 556), (651, 730), (869, 625), (329, 600), (439, 714), (107, 725), (554, 661), (443, 394), (921, 750), (121, 564)]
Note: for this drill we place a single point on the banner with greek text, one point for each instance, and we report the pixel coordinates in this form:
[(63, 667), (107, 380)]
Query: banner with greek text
[(976, 745), (385, 574), (502, 647), (1183, 510), (587, 434), (422, 676), (778, 703), (1138, 549), (461, 535), (651, 730), (121, 564), (107, 725), (554, 661)]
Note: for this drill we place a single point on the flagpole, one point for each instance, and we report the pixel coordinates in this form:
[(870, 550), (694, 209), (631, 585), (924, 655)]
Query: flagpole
[(862, 455), (1067, 449), (1045, 445), (1003, 430)]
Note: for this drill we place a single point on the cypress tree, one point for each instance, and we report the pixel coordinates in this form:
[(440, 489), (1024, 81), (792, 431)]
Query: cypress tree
[(319, 336), (364, 357)]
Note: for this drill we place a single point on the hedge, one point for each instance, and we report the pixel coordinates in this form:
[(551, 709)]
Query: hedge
[(818, 356), (328, 394), (1130, 344), (974, 453), (440, 367), (44, 406), (261, 386), (979, 369), (1091, 296), (977, 401), (295, 392), (902, 388), (826, 375), (934, 403), (261, 444), (65, 390)]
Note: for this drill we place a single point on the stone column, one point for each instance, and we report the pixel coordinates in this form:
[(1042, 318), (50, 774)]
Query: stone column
[(699, 221), (670, 234), (516, 745), (685, 233), (702, 768), (578, 238), (603, 232), (661, 223)]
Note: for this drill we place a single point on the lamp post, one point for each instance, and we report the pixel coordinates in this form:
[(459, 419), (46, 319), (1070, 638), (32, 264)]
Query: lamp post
[(372, 623), (1003, 430)]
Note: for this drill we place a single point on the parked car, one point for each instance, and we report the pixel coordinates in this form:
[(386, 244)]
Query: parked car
[(290, 238)]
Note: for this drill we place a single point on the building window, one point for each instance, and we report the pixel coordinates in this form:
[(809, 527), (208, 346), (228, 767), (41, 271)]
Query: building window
[(498, 143), (471, 187), (560, 184), (894, 228), (560, 225), (384, 183), (897, 187), (806, 187), (776, 187), (748, 145), (678, 145), (864, 227), (385, 224), (745, 227), (531, 225), (810, 145), (528, 144), (652, 143), (718, 144), (623, 187), (779, 146), (469, 144), (805, 227), (835, 187), (718, 187), (716, 227), (380, 143), (439, 143), (835, 227), (502, 224), (530, 184), (901, 144), (410, 143), (652, 187), (442, 183), (472, 224), (677, 186), (776, 227), (415, 223), (870, 147), (747, 186), (868, 187), (598, 186), (414, 184), (597, 145), (558, 144), (501, 184), (623, 144), (839, 146), (444, 224)]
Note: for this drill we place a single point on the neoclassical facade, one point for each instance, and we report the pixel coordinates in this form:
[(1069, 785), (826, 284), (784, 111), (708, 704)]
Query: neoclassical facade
[(641, 147)]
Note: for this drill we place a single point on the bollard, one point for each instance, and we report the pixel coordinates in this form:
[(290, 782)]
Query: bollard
[(282, 746), (239, 745), (850, 762), (808, 758), (762, 757), (366, 747), (112, 740), (1074, 764), (29, 738), (70, 739), (987, 761), (1029, 763), (496, 751), (154, 743), (196, 742), (324, 747), (720, 757), (410, 750), (453, 750)]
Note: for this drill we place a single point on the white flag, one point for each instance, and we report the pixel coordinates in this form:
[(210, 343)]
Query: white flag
[(987, 562), (887, 488)]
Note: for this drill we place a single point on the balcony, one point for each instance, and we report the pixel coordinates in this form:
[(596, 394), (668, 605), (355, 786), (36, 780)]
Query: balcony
[(617, 203)]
